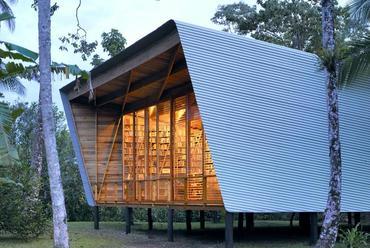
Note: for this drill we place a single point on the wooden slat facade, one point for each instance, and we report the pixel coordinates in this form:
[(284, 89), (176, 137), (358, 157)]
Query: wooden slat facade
[(142, 138)]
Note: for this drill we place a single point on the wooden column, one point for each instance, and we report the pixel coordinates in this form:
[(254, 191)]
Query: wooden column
[(240, 222), (202, 219), (304, 222), (349, 219), (188, 214), (170, 225), (96, 217), (229, 221), (357, 217), (249, 219), (314, 232), (150, 219), (128, 218)]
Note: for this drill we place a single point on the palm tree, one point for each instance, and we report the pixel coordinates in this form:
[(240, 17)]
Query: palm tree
[(357, 59), (6, 10), (330, 224), (48, 128)]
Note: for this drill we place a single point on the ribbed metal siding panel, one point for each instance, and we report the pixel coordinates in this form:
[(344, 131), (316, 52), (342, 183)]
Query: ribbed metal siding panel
[(354, 110), (264, 112)]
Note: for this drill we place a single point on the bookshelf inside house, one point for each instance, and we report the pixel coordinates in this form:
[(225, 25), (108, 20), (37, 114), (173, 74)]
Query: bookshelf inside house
[(166, 158)]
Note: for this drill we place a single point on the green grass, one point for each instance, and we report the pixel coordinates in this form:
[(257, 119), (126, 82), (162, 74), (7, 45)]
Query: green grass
[(111, 234)]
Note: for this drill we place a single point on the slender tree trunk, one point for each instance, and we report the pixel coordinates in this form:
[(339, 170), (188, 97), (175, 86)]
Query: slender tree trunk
[(56, 188), (37, 145), (330, 225)]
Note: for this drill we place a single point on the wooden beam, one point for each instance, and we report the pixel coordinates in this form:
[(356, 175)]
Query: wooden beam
[(126, 91), (141, 83), (130, 63), (174, 92), (169, 69), (109, 156)]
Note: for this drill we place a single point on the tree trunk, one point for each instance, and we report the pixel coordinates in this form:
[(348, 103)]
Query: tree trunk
[(37, 145), (56, 188), (330, 225)]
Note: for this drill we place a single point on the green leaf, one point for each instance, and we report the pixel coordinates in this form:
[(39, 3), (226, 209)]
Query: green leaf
[(5, 16), (24, 51)]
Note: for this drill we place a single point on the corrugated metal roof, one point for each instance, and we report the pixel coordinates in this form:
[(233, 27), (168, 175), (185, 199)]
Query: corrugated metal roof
[(264, 112)]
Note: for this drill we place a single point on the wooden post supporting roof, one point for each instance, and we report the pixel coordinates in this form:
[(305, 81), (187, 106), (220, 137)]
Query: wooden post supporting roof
[(314, 232), (188, 221), (201, 220), (249, 219), (240, 222), (170, 213), (150, 219), (96, 217), (128, 214), (229, 226), (357, 217)]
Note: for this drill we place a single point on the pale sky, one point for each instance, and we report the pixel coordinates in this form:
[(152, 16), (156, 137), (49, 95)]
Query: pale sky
[(133, 18)]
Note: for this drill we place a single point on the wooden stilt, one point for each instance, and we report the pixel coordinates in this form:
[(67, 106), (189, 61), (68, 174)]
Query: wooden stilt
[(128, 213), (304, 222), (188, 221), (202, 219), (240, 222), (170, 225), (349, 218), (314, 232), (357, 217), (150, 219), (249, 217), (229, 220), (96, 217), (131, 216)]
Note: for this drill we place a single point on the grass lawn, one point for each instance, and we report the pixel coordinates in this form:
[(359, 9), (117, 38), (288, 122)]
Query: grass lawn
[(111, 234)]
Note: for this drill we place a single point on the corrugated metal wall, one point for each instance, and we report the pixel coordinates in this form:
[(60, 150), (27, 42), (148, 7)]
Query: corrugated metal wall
[(354, 110), (264, 111)]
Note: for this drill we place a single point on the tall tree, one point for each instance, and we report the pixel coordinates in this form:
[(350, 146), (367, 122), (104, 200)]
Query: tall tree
[(291, 23), (357, 59), (330, 224), (48, 126)]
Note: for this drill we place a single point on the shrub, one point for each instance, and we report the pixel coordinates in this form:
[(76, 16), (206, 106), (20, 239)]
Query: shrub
[(354, 238)]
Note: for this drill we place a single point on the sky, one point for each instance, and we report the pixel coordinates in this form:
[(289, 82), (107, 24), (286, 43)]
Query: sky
[(133, 18)]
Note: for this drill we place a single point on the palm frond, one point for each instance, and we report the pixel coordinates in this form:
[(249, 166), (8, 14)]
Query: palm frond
[(6, 16), (8, 153), (360, 10), (5, 8), (12, 84), (356, 61)]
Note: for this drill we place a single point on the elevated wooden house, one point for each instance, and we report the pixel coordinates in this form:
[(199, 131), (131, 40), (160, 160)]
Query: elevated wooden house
[(193, 118)]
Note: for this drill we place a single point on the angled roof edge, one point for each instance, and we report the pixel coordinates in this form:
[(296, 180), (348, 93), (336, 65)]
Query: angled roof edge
[(130, 51), (77, 150), (157, 34)]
